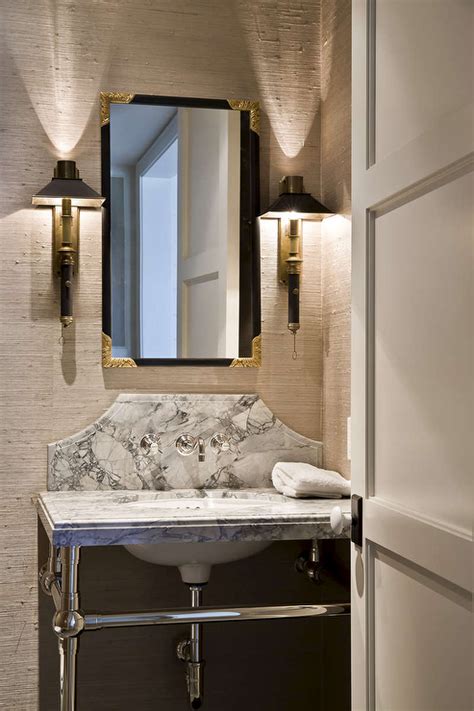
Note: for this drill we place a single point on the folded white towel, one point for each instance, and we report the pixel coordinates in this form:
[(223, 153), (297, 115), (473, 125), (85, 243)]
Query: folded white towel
[(300, 480)]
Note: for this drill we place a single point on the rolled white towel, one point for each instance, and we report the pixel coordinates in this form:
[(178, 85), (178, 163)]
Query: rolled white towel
[(300, 480)]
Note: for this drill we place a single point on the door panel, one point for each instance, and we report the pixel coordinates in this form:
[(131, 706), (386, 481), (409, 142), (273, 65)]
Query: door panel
[(426, 666), (412, 358), (423, 56), (423, 353)]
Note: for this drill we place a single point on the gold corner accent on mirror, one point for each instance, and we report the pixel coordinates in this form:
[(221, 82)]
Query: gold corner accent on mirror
[(255, 361), (108, 361), (111, 97), (247, 105)]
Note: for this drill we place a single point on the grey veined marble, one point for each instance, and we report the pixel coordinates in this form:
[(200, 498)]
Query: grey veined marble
[(107, 454), (110, 518)]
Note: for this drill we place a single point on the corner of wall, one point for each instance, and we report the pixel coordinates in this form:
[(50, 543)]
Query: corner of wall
[(336, 230)]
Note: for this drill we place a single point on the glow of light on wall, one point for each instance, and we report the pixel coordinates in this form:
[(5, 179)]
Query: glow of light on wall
[(283, 43), (336, 223), (61, 58)]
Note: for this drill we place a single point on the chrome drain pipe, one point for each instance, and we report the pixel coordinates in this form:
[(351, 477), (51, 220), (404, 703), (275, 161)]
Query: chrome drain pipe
[(195, 671), (190, 651), (98, 621), (196, 630)]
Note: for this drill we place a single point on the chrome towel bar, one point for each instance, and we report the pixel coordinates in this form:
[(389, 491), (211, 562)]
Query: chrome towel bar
[(211, 614)]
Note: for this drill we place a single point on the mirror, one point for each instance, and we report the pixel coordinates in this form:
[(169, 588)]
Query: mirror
[(181, 257)]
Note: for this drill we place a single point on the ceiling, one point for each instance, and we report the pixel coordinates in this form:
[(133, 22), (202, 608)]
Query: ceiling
[(133, 128)]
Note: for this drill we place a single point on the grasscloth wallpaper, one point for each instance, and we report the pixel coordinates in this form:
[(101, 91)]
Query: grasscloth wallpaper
[(56, 56)]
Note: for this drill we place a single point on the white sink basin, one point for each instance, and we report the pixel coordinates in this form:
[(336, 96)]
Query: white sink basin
[(194, 560)]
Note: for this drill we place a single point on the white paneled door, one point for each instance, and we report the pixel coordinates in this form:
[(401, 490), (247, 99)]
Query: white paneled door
[(412, 359)]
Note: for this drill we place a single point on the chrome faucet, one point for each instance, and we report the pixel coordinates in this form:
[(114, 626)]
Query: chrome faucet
[(201, 449), (186, 444)]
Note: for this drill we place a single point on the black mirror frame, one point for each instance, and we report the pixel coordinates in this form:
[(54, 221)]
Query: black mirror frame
[(250, 308)]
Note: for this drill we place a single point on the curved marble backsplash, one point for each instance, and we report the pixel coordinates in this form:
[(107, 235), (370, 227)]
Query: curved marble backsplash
[(107, 454)]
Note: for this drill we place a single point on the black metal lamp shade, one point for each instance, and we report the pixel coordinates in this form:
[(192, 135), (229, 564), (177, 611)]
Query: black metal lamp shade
[(66, 183), (301, 204), (295, 202)]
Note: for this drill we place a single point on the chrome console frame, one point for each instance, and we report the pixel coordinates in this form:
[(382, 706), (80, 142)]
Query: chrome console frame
[(59, 578)]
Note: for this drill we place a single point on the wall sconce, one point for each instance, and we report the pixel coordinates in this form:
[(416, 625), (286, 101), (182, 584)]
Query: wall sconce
[(290, 208), (66, 193)]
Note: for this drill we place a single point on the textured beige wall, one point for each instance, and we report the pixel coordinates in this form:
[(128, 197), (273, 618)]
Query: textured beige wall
[(56, 56), (336, 231)]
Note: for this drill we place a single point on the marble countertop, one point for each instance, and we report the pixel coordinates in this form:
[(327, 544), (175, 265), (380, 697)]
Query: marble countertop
[(100, 518)]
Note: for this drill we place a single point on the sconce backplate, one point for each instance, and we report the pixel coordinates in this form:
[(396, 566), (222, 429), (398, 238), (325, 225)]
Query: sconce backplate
[(58, 238)]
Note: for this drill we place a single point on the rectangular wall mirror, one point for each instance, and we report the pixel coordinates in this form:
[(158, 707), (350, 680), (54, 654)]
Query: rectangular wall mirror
[(181, 256)]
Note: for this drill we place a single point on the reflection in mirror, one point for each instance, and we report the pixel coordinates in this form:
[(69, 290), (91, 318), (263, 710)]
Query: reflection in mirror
[(181, 250)]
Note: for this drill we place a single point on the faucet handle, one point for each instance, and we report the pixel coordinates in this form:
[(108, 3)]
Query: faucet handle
[(219, 443), (186, 444), (150, 443)]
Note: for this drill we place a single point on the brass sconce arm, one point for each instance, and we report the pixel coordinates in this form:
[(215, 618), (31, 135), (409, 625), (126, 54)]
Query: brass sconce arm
[(66, 257), (294, 263)]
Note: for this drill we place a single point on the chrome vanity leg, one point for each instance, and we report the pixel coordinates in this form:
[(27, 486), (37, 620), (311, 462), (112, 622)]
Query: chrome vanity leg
[(67, 673), (68, 622)]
